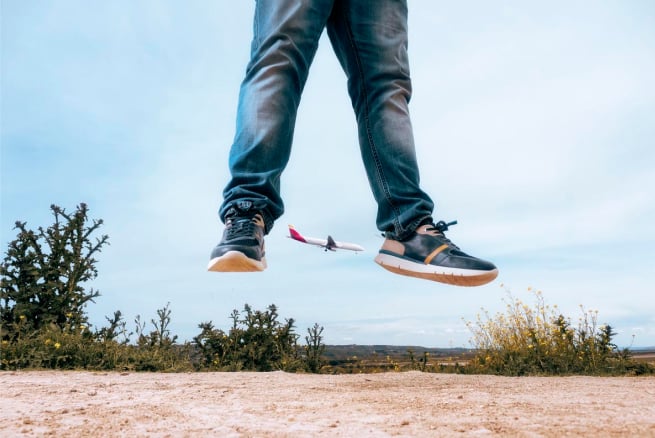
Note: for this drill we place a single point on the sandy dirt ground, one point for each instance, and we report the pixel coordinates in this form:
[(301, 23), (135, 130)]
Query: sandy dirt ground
[(86, 404)]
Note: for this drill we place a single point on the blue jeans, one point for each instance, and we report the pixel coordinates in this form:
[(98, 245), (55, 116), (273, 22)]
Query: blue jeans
[(369, 38)]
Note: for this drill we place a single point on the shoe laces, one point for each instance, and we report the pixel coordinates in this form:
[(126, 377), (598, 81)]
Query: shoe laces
[(238, 225), (441, 227)]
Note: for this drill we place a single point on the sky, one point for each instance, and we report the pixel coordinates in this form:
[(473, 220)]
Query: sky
[(534, 125)]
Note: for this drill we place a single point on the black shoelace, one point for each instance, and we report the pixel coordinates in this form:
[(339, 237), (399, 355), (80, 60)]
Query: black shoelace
[(241, 226), (442, 227)]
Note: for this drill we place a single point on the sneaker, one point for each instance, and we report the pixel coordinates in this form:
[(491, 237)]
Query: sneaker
[(428, 254), (242, 246)]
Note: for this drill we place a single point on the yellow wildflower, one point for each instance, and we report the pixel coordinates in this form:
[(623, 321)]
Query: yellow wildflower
[(57, 345)]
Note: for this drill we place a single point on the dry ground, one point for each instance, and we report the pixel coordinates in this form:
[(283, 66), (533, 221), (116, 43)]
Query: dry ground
[(85, 404)]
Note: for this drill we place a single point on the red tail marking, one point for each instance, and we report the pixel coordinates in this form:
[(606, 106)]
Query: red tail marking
[(296, 235)]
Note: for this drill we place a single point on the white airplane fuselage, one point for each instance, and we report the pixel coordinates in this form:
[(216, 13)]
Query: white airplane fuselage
[(328, 243)]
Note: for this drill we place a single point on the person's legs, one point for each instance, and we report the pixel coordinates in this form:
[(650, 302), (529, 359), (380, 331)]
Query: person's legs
[(370, 39), (285, 39)]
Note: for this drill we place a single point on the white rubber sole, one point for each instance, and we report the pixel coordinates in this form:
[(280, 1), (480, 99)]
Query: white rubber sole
[(235, 261), (454, 276)]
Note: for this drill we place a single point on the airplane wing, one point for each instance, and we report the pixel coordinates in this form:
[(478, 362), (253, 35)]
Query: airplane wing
[(328, 244)]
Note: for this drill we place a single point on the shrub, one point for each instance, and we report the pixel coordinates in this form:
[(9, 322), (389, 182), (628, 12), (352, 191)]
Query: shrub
[(257, 341), (79, 347), (44, 271), (540, 340), (314, 349), (157, 350), (43, 323)]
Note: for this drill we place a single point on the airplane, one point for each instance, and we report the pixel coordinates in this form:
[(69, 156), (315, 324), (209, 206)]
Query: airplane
[(329, 244)]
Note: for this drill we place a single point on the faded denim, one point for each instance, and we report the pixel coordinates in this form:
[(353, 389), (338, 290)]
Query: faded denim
[(369, 38)]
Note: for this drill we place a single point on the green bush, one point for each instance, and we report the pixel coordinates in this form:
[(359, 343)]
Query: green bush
[(158, 350), (44, 271), (314, 349), (257, 341), (78, 347)]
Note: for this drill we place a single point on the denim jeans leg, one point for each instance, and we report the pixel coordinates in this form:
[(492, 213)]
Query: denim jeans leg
[(285, 39), (370, 39)]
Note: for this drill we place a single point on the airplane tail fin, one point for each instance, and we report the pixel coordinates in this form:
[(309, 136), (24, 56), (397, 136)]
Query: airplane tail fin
[(295, 234)]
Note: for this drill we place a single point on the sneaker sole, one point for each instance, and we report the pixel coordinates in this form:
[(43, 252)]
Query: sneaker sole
[(454, 276), (235, 261)]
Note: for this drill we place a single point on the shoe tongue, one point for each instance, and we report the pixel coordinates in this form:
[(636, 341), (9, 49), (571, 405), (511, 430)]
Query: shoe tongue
[(235, 215), (238, 212)]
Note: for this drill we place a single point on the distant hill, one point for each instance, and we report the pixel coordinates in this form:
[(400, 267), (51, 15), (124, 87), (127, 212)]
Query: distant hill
[(345, 352), (387, 356)]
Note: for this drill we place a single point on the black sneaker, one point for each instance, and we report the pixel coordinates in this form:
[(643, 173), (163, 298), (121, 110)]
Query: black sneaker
[(242, 246), (428, 254)]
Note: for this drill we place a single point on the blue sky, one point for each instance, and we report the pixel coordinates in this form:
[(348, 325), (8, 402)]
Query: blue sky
[(534, 125)]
